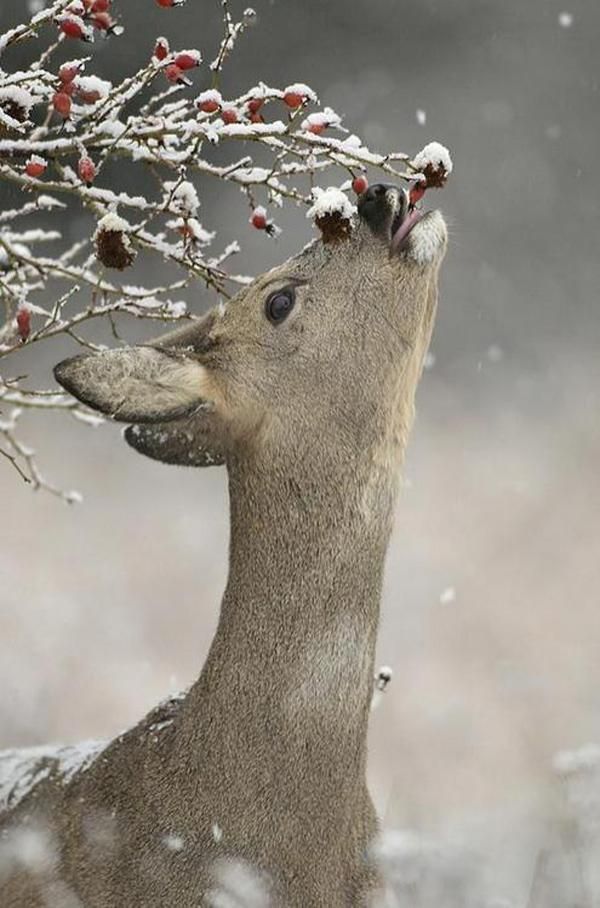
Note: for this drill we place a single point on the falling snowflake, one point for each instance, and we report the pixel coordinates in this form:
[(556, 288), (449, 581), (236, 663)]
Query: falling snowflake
[(448, 595)]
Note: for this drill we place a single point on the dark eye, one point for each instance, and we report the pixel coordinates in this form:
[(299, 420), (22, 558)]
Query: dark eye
[(279, 305)]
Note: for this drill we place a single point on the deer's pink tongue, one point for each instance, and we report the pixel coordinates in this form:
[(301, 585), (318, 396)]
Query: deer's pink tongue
[(413, 217)]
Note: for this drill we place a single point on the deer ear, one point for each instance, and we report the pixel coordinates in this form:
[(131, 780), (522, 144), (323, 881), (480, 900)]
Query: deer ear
[(189, 442), (137, 384)]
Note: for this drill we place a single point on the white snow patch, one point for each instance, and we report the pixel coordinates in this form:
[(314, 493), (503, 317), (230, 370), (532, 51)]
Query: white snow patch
[(181, 197), (565, 20), (77, 64), (47, 202), (176, 309), (253, 129), (326, 117), (15, 94), (93, 85), (21, 770), (421, 116), (252, 175), (113, 223), (192, 229), (330, 201), (112, 128), (33, 236), (435, 154)]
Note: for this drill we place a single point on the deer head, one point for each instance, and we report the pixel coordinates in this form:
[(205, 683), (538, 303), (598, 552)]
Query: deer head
[(325, 349)]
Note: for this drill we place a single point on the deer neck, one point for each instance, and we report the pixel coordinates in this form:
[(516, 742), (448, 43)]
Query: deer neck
[(290, 670)]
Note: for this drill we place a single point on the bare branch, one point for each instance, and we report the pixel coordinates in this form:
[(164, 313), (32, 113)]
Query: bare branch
[(53, 123)]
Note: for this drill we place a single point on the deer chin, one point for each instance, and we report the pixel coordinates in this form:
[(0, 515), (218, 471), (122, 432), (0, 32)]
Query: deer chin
[(420, 236)]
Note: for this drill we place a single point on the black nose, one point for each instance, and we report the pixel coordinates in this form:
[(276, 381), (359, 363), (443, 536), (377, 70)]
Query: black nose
[(377, 208)]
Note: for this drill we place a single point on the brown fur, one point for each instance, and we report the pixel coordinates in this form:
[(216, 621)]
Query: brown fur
[(269, 745)]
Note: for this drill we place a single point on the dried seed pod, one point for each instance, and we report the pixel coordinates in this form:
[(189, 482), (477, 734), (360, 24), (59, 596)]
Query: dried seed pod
[(435, 163), (113, 244), (334, 227), (332, 212)]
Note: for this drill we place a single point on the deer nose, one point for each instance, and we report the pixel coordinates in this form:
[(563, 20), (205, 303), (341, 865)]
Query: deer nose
[(380, 204)]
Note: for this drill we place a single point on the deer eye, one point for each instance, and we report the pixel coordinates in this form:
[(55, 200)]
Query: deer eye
[(279, 305)]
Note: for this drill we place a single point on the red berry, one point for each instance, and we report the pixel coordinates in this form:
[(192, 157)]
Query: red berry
[(259, 219), (161, 49), (173, 73), (317, 128), (167, 3), (257, 118), (35, 167), (360, 185), (100, 6), (72, 28), (417, 192), (62, 104), (209, 106), (86, 169), (23, 322), (255, 104), (293, 99), (188, 59), (229, 115), (86, 97), (67, 73)]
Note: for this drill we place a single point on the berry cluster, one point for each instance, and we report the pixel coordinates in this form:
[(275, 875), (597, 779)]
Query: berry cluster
[(83, 17), (290, 146), (177, 64)]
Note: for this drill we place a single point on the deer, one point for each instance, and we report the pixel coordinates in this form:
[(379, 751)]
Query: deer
[(303, 386)]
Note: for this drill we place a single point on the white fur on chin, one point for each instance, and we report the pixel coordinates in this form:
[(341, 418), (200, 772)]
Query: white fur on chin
[(427, 239)]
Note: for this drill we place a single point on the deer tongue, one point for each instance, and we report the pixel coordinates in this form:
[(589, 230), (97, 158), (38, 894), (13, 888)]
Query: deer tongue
[(413, 217)]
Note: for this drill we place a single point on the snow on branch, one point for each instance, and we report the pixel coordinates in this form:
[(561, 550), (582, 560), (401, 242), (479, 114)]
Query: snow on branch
[(61, 126)]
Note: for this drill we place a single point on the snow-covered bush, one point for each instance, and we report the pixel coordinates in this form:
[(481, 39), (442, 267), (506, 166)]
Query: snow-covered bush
[(60, 128)]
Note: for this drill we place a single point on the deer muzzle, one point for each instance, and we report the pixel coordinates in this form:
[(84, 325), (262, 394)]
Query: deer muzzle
[(386, 210)]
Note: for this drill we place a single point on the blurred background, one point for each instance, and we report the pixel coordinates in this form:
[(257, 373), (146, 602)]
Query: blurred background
[(490, 612)]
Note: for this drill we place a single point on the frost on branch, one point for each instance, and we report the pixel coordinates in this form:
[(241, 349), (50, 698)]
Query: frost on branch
[(61, 127)]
